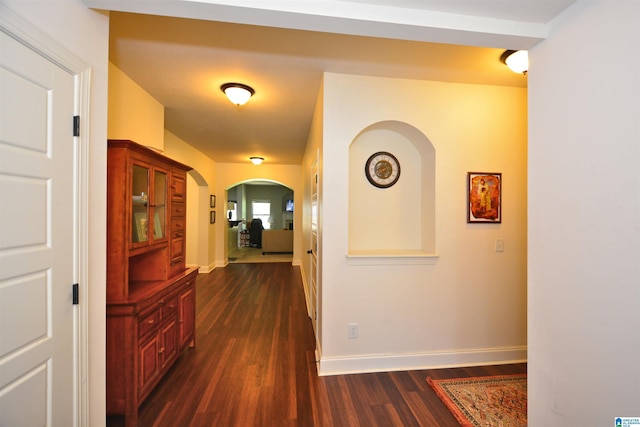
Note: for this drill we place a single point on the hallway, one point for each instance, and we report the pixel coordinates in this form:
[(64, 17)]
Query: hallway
[(253, 365)]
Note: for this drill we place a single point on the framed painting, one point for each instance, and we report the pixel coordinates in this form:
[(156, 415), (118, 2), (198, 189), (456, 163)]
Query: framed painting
[(212, 217), (212, 201), (484, 197)]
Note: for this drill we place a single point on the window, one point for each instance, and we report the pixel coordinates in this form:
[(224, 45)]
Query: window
[(262, 209)]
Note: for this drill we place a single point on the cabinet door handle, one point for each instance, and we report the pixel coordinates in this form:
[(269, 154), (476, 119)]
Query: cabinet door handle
[(161, 350), (150, 321), (171, 306)]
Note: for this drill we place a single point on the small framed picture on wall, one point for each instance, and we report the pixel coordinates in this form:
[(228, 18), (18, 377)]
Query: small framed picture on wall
[(212, 217), (212, 201), (484, 197)]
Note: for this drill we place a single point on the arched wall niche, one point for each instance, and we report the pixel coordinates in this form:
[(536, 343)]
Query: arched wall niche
[(399, 220)]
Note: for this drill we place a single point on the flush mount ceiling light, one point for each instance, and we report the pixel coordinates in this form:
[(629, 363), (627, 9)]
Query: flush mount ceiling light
[(516, 60), (237, 93), (256, 160)]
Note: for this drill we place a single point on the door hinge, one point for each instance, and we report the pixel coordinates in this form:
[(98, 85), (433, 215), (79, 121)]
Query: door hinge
[(75, 294), (76, 125)]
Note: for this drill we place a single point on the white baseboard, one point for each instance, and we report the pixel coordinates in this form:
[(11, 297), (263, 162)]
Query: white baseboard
[(204, 269), (409, 362), (318, 357)]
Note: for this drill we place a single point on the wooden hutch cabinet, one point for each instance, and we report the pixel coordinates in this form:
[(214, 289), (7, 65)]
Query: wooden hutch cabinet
[(150, 293)]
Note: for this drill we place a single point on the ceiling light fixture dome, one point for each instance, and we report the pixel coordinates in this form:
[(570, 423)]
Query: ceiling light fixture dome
[(256, 160), (516, 60), (237, 93)]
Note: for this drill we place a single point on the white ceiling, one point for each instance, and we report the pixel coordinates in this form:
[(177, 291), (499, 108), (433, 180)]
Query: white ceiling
[(182, 61)]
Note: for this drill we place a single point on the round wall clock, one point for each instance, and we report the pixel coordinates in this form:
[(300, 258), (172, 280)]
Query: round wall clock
[(382, 169)]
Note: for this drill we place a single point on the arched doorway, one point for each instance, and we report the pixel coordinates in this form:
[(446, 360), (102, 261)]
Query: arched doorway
[(269, 203)]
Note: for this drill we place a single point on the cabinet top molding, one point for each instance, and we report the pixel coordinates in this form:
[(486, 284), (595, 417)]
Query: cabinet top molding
[(141, 149)]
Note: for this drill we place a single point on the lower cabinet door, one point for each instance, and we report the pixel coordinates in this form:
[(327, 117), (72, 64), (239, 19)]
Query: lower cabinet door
[(187, 315), (149, 363), (169, 340)]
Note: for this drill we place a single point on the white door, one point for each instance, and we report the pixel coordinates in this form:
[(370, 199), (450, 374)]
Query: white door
[(37, 249), (313, 251)]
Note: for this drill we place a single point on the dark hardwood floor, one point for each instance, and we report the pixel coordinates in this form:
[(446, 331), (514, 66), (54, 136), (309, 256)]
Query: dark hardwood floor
[(254, 365)]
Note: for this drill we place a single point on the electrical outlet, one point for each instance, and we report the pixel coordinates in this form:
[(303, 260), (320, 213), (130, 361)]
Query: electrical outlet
[(353, 330), (500, 245)]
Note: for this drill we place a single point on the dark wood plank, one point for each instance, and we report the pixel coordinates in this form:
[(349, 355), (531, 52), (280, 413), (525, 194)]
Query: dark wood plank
[(254, 365)]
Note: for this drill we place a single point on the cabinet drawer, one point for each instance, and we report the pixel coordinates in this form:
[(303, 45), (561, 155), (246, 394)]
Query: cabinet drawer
[(169, 306), (178, 210), (178, 225), (148, 323)]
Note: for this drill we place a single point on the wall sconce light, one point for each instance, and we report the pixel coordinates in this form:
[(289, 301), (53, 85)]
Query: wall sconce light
[(237, 93), (256, 160), (516, 60)]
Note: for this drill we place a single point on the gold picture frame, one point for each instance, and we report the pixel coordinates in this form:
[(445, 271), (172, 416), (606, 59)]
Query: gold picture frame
[(484, 197)]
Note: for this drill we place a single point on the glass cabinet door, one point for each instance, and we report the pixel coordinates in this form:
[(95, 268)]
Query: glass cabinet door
[(140, 204), (159, 204)]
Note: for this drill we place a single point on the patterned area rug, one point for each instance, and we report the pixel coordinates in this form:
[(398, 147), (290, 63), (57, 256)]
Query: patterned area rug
[(485, 401)]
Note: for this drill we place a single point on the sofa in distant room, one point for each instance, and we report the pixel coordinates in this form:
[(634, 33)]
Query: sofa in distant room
[(274, 241)]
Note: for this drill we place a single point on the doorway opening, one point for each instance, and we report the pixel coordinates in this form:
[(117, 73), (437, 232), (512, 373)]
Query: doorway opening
[(262, 228)]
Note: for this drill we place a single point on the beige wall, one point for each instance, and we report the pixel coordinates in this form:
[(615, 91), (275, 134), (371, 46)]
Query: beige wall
[(469, 306), (133, 113)]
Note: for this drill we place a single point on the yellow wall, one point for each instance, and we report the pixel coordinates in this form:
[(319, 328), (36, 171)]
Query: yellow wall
[(133, 113)]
